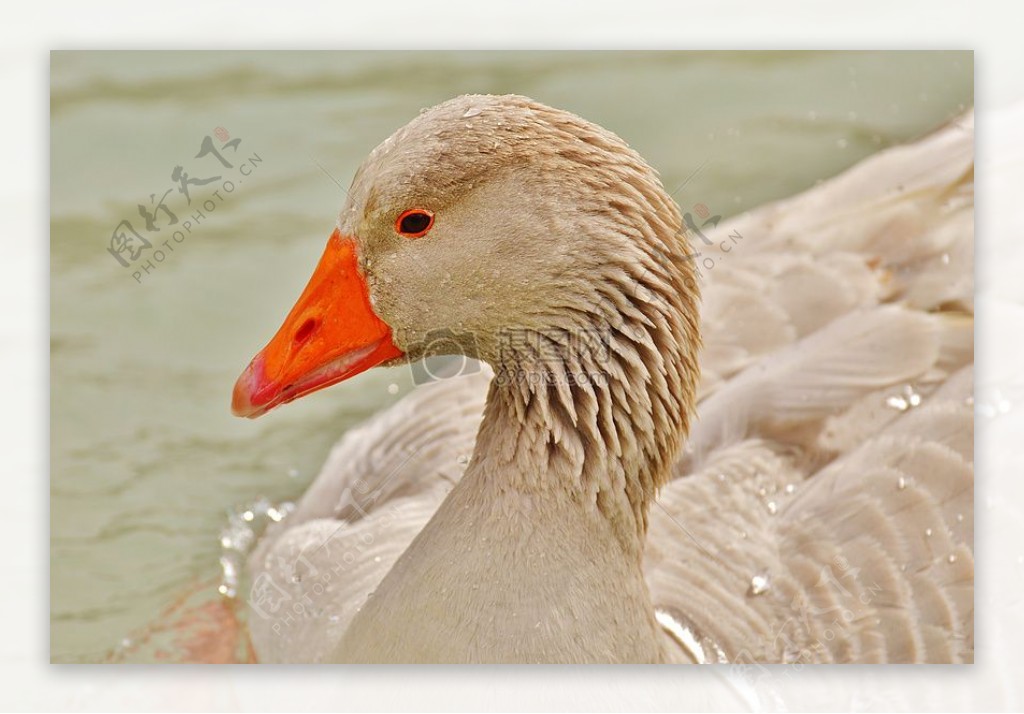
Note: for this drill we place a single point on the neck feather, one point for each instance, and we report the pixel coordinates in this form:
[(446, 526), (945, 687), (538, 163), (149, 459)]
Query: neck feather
[(596, 400)]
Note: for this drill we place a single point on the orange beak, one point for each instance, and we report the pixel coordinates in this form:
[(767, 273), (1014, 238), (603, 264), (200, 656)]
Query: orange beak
[(330, 335)]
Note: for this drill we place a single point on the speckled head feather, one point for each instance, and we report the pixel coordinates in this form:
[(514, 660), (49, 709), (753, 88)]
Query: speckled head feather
[(557, 257)]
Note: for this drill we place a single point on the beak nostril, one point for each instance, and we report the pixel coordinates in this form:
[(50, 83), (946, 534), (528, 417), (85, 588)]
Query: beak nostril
[(305, 331)]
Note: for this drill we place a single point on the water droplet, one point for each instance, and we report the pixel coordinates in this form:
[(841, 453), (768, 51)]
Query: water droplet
[(959, 518), (897, 403), (760, 584), (772, 508), (239, 535), (952, 558), (945, 258), (471, 112), (392, 388), (928, 532), (790, 488), (463, 460), (376, 559), (905, 399), (901, 483), (293, 473)]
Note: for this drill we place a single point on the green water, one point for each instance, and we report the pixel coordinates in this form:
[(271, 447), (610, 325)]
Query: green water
[(145, 457)]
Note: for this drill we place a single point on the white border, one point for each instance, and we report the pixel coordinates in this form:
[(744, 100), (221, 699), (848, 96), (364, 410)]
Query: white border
[(30, 29)]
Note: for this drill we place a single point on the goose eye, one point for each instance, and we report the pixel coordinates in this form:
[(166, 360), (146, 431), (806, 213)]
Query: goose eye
[(414, 222)]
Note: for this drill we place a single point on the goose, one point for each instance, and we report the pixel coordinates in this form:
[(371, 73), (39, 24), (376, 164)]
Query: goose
[(669, 443)]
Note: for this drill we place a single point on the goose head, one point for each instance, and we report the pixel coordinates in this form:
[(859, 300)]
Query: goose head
[(501, 229)]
